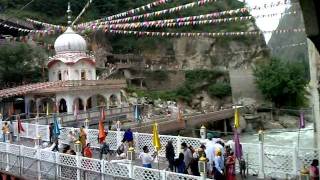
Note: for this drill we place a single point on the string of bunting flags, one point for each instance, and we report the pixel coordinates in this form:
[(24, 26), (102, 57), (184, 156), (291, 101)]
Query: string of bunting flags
[(156, 13), (32, 31), (132, 11), (178, 23), (52, 26), (204, 34), (96, 23)]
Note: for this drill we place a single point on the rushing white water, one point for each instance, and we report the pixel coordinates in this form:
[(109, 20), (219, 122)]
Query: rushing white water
[(284, 137)]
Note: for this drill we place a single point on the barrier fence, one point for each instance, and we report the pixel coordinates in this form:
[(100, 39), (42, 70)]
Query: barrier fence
[(273, 161)]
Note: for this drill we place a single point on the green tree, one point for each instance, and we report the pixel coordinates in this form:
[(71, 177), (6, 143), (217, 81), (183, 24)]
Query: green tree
[(282, 82), (219, 89), (20, 63)]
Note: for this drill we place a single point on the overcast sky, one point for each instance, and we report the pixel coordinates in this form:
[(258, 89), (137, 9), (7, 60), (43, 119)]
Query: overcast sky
[(267, 24)]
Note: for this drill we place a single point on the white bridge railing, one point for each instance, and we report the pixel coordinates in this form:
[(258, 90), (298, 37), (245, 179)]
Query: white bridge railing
[(35, 163), (273, 161)]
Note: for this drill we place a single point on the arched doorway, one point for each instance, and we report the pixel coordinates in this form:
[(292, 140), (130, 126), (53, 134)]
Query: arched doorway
[(63, 106), (46, 106), (95, 101), (113, 101), (78, 104)]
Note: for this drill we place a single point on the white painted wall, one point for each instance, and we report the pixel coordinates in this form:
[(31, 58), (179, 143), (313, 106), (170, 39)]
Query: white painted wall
[(73, 71)]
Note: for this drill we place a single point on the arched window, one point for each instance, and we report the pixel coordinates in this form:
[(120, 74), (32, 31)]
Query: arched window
[(83, 75), (59, 76)]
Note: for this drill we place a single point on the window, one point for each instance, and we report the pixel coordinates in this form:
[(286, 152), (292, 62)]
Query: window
[(59, 76), (83, 75)]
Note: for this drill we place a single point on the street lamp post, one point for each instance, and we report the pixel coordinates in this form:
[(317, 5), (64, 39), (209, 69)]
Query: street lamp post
[(86, 123), (202, 165)]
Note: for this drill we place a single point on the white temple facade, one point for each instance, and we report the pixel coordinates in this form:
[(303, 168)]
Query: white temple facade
[(73, 84)]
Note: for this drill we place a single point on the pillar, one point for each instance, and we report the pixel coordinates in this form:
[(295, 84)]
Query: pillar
[(313, 58), (69, 102), (37, 106)]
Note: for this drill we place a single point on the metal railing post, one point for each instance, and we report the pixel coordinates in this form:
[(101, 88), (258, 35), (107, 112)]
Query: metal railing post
[(57, 173), (7, 156), (38, 163), (102, 169), (261, 174), (295, 160)]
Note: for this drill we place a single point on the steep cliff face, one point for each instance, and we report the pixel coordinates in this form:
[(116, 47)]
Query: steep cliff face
[(297, 53), (202, 53)]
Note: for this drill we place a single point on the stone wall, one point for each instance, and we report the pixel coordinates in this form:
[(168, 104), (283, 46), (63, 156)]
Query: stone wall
[(175, 80), (243, 86)]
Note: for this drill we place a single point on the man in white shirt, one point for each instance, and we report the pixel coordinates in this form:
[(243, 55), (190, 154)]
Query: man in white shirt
[(146, 157)]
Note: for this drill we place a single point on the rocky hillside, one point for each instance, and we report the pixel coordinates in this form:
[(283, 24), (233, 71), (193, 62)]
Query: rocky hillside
[(299, 53)]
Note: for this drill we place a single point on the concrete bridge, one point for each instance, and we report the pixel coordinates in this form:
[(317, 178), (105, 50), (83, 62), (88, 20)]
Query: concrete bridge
[(112, 114), (171, 124), (125, 115)]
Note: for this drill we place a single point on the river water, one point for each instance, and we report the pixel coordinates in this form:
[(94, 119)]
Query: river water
[(284, 137)]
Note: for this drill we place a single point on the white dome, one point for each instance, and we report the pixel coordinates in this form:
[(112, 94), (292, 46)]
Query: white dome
[(70, 41)]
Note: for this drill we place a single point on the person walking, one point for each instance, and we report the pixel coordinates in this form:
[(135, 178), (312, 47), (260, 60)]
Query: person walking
[(51, 133), (146, 157), (71, 138), (170, 155), (5, 130), (11, 135), (231, 167), (218, 168), (104, 150), (128, 137), (314, 170), (194, 167), (180, 165), (187, 154), (83, 137)]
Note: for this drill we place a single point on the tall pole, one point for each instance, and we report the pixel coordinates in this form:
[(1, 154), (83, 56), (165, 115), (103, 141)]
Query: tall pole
[(313, 57)]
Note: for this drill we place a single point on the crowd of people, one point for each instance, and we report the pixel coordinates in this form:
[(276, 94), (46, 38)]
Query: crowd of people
[(219, 157)]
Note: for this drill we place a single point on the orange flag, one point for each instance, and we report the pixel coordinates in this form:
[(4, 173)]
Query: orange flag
[(102, 134)]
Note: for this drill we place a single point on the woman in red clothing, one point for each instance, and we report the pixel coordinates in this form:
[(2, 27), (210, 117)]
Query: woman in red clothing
[(87, 152), (231, 168), (314, 170)]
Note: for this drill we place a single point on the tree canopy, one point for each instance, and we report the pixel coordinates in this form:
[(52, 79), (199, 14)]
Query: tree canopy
[(282, 82), (20, 63)]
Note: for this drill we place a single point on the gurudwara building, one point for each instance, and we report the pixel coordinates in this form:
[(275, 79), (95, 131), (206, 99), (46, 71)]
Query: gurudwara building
[(72, 85)]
